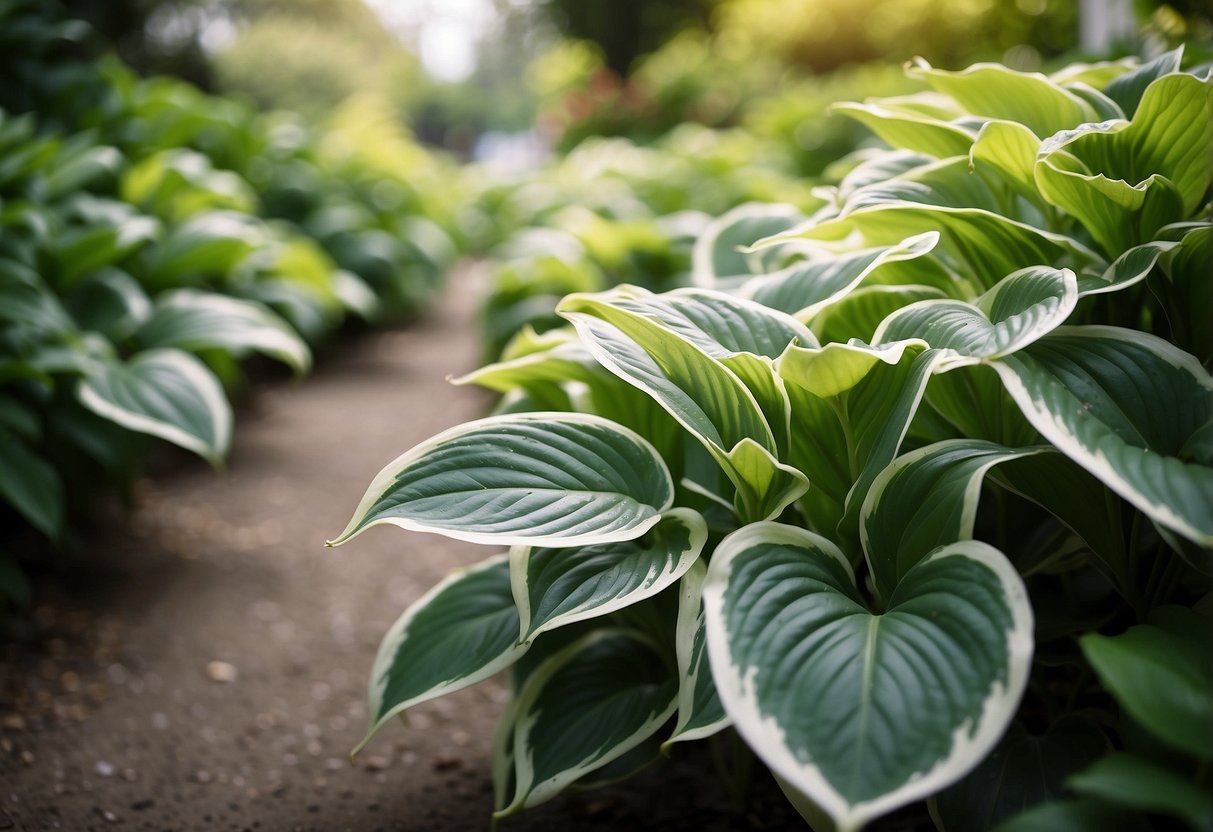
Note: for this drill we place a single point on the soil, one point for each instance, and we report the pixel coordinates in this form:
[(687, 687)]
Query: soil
[(203, 666)]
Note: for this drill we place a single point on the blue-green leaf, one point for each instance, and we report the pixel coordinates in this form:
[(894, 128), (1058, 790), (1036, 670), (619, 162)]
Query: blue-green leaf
[(556, 587), (463, 630), (536, 479), (863, 713), (1124, 405), (165, 393)]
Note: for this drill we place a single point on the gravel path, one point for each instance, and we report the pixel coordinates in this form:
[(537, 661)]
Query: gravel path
[(204, 666)]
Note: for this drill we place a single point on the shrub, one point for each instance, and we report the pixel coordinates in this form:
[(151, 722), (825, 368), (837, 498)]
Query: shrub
[(924, 477)]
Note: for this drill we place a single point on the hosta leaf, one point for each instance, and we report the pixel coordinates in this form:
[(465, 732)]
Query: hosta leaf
[(1130, 268), (1124, 405), (700, 713), (910, 130), (708, 360), (206, 244), (30, 484), (806, 287), (1191, 291), (1125, 179), (584, 707), (1128, 780), (1023, 770), (194, 320), (1020, 309), (1007, 150), (556, 587), (765, 486), (1127, 89), (925, 499), (1161, 676), (76, 171), (110, 234), (463, 630), (859, 313), (717, 257), (863, 713), (1075, 816), (995, 91), (872, 394), (706, 397), (165, 393), (110, 302), (560, 479), (982, 241)]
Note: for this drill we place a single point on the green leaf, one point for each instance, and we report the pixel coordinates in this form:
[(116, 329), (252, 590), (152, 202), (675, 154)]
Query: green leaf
[(1075, 816), (165, 393), (194, 320), (859, 313), (1125, 779), (556, 587), (863, 713), (910, 130), (1006, 152), (30, 484), (205, 245), (1129, 269), (717, 256), (708, 359), (538, 479), (76, 171), (1162, 678), (805, 288), (584, 707), (994, 91), (925, 499), (976, 236), (1124, 180), (110, 302), (1123, 404), (463, 630), (1019, 310), (1127, 89), (1023, 770), (700, 712)]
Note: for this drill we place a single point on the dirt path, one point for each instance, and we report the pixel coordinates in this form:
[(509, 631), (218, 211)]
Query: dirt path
[(205, 667)]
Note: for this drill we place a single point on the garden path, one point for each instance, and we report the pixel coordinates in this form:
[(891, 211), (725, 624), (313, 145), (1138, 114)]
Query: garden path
[(204, 667)]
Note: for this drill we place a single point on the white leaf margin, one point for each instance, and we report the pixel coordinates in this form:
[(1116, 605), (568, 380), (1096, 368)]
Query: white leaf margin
[(384, 479), (766, 737)]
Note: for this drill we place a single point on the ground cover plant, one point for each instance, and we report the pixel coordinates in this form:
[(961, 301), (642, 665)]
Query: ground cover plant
[(914, 493), (152, 238)]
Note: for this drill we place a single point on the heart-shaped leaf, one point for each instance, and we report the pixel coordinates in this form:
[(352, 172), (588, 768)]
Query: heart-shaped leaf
[(463, 630), (1128, 407), (165, 393), (535, 479), (556, 587), (860, 712), (924, 499)]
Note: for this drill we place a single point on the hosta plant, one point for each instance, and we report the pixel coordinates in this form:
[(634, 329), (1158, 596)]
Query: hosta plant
[(914, 493)]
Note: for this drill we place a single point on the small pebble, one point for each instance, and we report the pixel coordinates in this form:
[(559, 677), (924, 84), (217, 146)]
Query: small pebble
[(105, 769), (221, 672)]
